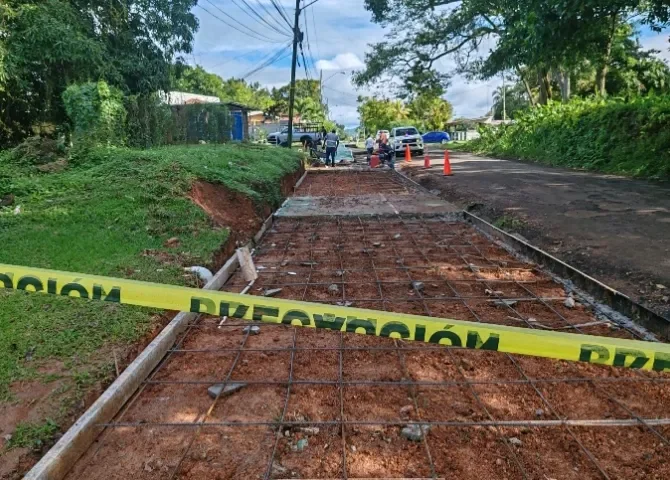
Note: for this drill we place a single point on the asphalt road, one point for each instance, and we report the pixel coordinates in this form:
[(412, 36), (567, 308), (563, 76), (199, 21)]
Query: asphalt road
[(613, 228)]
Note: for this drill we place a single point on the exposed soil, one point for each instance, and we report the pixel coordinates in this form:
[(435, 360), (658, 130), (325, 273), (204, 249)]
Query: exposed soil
[(360, 391), (34, 401), (613, 228), (335, 184)]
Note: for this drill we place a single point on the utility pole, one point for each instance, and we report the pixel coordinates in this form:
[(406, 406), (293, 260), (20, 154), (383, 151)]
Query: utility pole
[(291, 101)]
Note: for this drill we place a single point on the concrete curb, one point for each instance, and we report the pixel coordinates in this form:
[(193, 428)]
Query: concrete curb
[(614, 299)]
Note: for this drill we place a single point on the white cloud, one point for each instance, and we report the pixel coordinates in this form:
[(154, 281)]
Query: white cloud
[(343, 61), (339, 32)]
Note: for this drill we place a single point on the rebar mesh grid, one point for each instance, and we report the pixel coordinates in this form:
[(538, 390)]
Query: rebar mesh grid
[(485, 414)]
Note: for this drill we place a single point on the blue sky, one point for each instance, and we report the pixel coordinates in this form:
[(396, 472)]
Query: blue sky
[(340, 32)]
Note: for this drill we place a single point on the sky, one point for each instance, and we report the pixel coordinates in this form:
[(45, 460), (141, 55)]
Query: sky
[(340, 32)]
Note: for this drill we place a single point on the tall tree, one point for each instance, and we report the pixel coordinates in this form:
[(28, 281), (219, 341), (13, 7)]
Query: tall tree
[(46, 45), (536, 39), (381, 114), (303, 89), (430, 113)]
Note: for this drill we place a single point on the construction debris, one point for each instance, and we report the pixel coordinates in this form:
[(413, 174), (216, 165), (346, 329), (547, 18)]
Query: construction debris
[(252, 330), (223, 390), (272, 292)]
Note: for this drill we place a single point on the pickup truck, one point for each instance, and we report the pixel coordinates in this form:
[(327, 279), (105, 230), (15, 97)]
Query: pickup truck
[(402, 136), (309, 135)]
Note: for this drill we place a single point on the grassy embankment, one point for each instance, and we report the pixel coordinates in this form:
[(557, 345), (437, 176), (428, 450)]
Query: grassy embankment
[(99, 215)]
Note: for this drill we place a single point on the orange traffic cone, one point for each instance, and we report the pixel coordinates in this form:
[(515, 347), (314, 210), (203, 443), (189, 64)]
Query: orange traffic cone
[(408, 154), (447, 164), (426, 161)]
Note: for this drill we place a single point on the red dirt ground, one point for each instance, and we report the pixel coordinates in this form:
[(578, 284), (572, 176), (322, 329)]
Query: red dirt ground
[(34, 401), (360, 391)]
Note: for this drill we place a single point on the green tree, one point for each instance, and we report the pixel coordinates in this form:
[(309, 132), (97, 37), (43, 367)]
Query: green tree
[(515, 101), (47, 45), (303, 89), (542, 41), (431, 113), (198, 80), (381, 114)]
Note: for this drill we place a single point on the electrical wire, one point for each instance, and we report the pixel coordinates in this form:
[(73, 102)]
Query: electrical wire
[(304, 63), (340, 92), (309, 48), (237, 57), (282, 12), (273, 17), (283, 9), (316, 36), (260, 19), (273, 58), (251, 33)]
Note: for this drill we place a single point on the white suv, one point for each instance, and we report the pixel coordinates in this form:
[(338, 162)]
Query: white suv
[(403, 136)]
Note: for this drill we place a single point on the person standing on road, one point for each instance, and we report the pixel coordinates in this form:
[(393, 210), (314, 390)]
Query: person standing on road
[(370, 146), (332, 142)]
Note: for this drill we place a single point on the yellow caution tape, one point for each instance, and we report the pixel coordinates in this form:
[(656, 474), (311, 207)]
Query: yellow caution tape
[(562, 346)]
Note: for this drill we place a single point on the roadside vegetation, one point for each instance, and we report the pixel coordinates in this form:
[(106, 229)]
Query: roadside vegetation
[(621, 137), (109, 211)]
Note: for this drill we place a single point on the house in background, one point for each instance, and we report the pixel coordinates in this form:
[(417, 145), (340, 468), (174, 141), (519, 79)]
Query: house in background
[(464, 129), (239, 113)]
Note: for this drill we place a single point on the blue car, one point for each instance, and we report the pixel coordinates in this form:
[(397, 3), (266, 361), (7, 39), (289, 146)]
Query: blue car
[(436, 137)]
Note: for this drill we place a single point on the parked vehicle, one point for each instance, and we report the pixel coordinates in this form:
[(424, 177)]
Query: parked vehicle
[(402, 136), (436, 137), (308, 134)]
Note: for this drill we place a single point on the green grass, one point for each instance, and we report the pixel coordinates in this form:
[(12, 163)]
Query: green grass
[(624, 137), (32, 435), (509, 223), (100, 216)]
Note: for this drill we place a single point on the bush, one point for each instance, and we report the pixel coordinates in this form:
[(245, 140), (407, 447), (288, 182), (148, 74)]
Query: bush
[(629, 137), (97, 113), (35, 151)]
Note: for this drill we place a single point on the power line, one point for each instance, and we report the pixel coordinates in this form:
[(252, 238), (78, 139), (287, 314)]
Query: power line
[(316, 35), (309, 47), (280, 24), (281, 11), (340, 92), (237, 57), (259, 18), (267, 61), (252, 34), (304, 62)]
